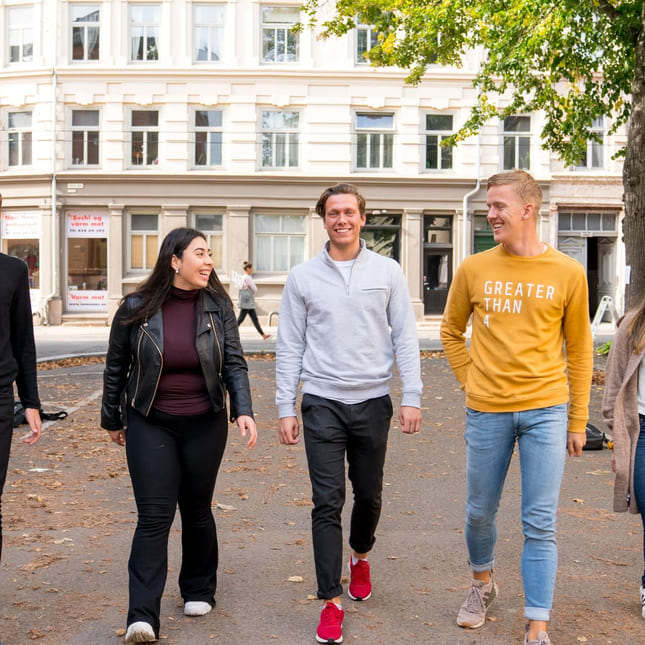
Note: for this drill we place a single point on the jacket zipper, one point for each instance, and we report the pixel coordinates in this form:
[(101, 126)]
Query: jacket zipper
[(136, 392), (221, 358)]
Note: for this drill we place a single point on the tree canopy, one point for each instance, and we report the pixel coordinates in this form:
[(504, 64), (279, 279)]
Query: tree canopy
[(573, 60)]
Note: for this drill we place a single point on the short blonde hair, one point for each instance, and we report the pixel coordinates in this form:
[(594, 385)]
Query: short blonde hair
[(523, 183)]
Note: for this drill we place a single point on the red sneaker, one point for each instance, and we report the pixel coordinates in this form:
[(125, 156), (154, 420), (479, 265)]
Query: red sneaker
[(360, 587), (330, 628)]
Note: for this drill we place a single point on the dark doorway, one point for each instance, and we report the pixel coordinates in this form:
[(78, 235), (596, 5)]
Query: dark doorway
[(437, 275)]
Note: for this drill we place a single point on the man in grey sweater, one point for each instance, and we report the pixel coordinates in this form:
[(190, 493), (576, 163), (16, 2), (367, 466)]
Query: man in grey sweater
[(344, 316)]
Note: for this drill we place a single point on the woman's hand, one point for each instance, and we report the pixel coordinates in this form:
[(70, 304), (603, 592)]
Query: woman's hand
[(244, 423), (118, 436)]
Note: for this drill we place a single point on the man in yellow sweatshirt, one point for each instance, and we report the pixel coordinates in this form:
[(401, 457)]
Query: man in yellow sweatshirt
[(527, 378)]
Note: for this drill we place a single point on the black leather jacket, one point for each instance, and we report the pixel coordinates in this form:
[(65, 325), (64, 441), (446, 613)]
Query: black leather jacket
[(134, 361)]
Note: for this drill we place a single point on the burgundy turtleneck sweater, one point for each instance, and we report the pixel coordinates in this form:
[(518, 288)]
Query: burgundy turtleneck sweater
[(182, 388)]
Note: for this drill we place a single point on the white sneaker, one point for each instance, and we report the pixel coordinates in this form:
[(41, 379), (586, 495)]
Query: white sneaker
[(197, 608), (642, 595), (140, 632)]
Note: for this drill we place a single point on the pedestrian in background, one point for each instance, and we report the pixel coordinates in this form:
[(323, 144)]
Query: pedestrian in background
[(246, 300), (530, 355), (343, 316), (623, 408), (17, 359), (173, 353)]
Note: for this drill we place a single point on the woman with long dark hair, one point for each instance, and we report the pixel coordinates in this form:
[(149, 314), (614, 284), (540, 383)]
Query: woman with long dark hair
[(623, 408), (174, 352)]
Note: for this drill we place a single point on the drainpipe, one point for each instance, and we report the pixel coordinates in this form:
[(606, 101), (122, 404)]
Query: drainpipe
[(464, 213), (54, 233)]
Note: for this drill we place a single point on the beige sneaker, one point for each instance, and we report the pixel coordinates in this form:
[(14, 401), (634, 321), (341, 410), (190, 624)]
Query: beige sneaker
[(542, 639), (480, 597)]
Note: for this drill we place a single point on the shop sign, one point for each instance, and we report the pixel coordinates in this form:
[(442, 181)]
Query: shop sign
[(21, 225), (86, 300), (87, 224)]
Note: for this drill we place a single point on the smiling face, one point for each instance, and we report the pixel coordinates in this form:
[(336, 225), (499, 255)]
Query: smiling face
[(343, 222), (195, 266), (508, 215)]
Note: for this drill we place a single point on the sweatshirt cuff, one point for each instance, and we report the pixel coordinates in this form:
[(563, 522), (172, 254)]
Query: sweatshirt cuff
[(577, 425), (411, 399), (286, 410)]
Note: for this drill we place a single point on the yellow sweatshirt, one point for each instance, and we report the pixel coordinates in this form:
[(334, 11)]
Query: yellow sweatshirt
[(525, 311)]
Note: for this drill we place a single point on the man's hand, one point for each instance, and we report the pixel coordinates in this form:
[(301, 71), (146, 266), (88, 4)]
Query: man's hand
[(32, 416), (289, 430), (410, 419), (575, 442)]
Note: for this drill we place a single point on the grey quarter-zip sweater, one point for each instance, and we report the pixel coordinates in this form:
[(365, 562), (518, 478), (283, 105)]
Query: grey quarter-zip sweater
[(341, 339)]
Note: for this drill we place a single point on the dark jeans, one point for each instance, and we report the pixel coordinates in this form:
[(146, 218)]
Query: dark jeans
[(254, 319), (639, 479), (6, 433), (333, 430), (173, 460)]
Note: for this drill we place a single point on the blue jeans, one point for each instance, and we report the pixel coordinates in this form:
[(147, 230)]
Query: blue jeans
[(639, 479), (490, 440)]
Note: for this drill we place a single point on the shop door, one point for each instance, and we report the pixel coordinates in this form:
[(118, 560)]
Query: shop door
[(437, 275)]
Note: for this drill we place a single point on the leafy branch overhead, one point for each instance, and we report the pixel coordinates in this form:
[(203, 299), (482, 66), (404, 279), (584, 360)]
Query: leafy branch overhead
[(571, 59)]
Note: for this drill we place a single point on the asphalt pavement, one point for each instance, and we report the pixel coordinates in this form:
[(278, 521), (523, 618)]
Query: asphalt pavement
[(69, 514)]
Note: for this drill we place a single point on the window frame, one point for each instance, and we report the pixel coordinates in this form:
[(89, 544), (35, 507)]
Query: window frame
[(24, 30), (85, 27), (213, 233), (145, 233), (209, 130), (396, 229), (261, 265), (587, 162), (439, 135), (369, 134), (517, 136), (291, 142), (216, 33), (371, 40), (23, 136), (150, 52), (145, 144), (87, 131), (275, 27)]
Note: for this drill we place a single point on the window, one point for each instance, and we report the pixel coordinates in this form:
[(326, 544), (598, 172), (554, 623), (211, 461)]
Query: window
[(438, 129), (19, 138), (517, 142), (374, 140), (382, 234), (208, 32), (589, 222), (366, 39), (144, 32), (208, 138), (212, 226), (144, 241), (85, 137), (144, 137), (593, 157), (279, 241), (279, 138), (85, 19), (279, 41), (20, 34), (21, 232), (483, 234)]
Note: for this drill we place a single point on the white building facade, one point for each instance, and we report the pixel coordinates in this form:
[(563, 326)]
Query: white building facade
[(122, 120)]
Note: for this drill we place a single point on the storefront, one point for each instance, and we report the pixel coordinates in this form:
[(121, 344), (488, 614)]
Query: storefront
[(86, 235), (21, 238)]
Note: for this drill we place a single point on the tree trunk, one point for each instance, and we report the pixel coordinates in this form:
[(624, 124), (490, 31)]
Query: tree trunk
[(634, 179)]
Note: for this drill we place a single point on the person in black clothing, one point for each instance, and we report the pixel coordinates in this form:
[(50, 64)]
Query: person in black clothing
[(174, 352), (17, 359)]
